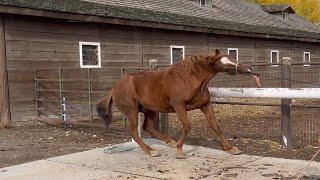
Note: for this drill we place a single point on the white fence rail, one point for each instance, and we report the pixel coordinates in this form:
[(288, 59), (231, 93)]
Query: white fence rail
[(282, 93)]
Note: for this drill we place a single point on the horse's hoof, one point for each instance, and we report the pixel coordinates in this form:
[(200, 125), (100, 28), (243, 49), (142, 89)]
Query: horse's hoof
[(154, 153), (172, 144), (180, 156), (234, 151)]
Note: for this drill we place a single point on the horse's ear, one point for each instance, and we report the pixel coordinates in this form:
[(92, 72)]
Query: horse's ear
[(217, 52)]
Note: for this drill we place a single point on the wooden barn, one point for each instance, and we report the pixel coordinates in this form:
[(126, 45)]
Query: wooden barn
[(50, 37)]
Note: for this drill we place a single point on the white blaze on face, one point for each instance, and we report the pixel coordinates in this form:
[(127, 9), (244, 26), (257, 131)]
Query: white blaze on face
[(226, 60)]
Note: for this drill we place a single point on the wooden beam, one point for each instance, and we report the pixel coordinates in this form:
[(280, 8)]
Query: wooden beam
[(4, 89)]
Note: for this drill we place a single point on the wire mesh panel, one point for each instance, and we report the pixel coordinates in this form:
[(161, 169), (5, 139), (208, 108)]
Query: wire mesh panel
[(248, 118), (79, 89), (270, 77), (258, 118), (255, 119), (305, 76), (305, 124), (236, 121)]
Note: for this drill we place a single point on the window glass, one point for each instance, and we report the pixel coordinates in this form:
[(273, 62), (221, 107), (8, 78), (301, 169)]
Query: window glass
[(203, 2), (233, 53), (274, 57), (90, 56), (177, 53), (306, 58)]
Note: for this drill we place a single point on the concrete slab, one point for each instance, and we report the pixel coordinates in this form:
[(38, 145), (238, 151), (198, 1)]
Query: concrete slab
[(202, 163)]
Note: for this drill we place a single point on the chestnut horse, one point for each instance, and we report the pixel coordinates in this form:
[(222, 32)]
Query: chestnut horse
[(179, 88)]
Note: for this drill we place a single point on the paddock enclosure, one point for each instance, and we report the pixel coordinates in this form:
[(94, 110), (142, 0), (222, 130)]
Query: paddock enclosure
[(40, 53), (245, 118)]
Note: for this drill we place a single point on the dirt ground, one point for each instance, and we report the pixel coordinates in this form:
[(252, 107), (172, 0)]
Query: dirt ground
[(29, 142), (255, 130)]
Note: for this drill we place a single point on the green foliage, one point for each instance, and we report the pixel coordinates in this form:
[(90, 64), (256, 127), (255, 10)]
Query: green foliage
[(310, 9)]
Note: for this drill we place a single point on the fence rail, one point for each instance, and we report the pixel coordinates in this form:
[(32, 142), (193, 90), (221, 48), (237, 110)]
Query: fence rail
[(283, 93)]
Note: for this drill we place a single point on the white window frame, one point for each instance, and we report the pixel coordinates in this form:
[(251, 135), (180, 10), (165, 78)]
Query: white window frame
[(234, 49), (274, 51), (177, 47), (285, 15), (81, 43), (304, 59), (205, 3)]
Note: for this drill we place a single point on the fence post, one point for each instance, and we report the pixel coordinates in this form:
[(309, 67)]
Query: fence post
[(152, 64), (36, 93), (286, 103), (89, 95)]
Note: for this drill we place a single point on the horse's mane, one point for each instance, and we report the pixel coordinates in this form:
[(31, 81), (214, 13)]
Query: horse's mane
[(194, 63)]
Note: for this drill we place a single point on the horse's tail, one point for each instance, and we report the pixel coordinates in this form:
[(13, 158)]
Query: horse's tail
[(104, 108)]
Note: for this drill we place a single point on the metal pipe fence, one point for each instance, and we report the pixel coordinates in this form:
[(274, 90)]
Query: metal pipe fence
[(79, 89)]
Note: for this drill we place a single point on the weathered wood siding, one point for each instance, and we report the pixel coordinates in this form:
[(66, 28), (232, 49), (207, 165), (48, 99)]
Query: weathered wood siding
[(37, 43), (40, 43)]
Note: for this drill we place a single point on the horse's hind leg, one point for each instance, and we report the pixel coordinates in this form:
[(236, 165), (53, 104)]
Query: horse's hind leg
[(133, 122), (148, 126)]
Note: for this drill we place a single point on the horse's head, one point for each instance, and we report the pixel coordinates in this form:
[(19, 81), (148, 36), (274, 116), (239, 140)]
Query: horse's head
[(224, 63)]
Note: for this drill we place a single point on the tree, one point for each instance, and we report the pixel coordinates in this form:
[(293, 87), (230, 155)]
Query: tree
[(309, 9)]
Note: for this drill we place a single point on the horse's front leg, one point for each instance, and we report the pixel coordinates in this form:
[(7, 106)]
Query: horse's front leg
[(207, 109), (183, 117)]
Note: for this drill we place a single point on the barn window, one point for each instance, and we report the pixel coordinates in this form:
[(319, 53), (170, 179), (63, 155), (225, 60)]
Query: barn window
[(274, 57), (233, 53), (177, 53), (306, 58), (285, 15), (90, 55), (203, 2)]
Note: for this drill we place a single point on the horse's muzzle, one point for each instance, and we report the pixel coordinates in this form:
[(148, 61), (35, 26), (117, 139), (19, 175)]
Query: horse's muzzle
[(249, 71)]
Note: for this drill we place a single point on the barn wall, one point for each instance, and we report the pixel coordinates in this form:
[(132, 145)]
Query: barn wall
[(156, 44), (40, 43), (36, 43)]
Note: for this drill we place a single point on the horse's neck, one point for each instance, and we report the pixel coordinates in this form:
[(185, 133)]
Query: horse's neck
[(206, 79), (198, 79)]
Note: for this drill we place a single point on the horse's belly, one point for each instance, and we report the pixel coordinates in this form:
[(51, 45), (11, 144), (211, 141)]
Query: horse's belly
[(156, 104), (190, 107)]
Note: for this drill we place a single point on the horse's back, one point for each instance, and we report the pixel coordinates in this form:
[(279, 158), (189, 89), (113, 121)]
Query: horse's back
[(146, 88)]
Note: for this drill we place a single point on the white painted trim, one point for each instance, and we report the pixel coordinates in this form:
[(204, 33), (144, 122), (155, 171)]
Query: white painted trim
[(272, 51), (289, 93), (81, 43), (234, 49), (304, 58), (178, 47)]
